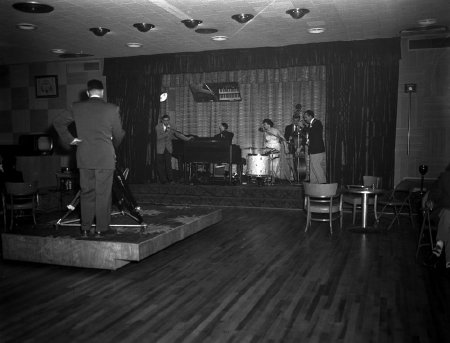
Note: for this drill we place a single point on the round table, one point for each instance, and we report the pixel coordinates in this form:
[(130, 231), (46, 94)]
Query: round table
[(365, 192)]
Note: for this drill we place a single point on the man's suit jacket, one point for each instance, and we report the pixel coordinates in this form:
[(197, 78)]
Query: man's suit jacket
[(225, 135), (99, 127), (164, 138), (315, 131), (290, 135)]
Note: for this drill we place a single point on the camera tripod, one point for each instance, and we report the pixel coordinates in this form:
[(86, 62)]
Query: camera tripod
[(122, 198)]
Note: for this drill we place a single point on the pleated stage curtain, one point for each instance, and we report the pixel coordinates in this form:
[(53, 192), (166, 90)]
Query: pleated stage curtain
[(266, 93), (360, 100)]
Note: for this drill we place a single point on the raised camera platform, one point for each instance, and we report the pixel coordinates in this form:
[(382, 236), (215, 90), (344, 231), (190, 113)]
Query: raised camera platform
[(166, 225)]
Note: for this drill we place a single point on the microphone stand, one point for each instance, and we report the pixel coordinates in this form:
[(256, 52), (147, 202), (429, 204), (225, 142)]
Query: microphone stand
[(297, 157)]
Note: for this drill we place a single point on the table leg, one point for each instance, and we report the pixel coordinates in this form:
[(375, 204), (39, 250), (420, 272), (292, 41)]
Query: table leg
[(364, 210), (364, 228)]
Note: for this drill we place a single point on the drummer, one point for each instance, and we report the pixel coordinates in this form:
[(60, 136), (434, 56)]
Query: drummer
[(272, 145)]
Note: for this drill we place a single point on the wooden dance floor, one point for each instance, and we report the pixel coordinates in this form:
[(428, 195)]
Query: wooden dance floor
[(63, 245)]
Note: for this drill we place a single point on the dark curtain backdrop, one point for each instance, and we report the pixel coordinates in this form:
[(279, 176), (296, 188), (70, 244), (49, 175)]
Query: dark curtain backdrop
[(138, 97), (362, 83)]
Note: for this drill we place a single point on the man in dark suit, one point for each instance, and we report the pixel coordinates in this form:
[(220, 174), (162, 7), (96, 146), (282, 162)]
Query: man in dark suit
[(316, 148), (224, 133), (99, 131), (165, 133)]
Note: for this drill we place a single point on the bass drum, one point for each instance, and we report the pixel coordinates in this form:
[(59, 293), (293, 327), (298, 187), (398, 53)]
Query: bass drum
[(258, 165)]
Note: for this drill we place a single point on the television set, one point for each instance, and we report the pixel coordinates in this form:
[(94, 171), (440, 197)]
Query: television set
[(36, 144)]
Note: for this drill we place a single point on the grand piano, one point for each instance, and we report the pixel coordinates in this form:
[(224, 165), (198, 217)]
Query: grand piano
[(207, 150)]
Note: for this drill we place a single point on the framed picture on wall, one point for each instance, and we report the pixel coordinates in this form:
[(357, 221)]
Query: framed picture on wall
[(46, 86)]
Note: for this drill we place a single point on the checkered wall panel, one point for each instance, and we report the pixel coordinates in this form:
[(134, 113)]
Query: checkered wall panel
[(21, 112)]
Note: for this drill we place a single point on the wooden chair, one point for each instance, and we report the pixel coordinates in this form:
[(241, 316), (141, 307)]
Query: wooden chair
[(322, 199), (20, 197), (355, 199)]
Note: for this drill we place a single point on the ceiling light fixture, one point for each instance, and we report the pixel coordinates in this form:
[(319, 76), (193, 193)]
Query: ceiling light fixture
[(32, 7), (99, 31), (59, 51), (316, 30), (219, 38), (134, 45), (144, 27), (427, 22), (242, 18), (191, 23), (26, 26), (297, 13)]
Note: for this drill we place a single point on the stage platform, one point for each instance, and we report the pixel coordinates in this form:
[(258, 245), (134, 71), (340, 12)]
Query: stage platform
[(62, 245), (280, 196)]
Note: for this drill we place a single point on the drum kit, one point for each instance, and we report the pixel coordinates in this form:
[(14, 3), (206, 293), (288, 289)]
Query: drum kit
[(260, 165)]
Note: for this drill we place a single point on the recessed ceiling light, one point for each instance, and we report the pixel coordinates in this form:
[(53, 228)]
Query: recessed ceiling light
[(144, 27), (297, 13), (32, 7), (58, 51), (99, 31), (134, 45), (427, 21), (242, 18), (191, 23), (26, 26), (219, 38), (316, 30)]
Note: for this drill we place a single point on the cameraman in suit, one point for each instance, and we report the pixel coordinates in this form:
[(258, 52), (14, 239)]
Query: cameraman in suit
[(99, 131)]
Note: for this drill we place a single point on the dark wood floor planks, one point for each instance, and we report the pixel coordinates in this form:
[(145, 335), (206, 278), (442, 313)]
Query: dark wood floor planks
[(254, 277)]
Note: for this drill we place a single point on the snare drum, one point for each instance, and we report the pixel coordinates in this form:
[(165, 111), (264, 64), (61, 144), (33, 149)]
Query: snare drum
[(258, 165)]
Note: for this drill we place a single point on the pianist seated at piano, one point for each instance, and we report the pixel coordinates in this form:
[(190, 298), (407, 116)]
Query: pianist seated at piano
[(224, 133), (165, 133)]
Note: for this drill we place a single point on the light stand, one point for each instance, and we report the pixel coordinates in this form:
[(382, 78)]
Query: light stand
[(423, 169), (297, 153)]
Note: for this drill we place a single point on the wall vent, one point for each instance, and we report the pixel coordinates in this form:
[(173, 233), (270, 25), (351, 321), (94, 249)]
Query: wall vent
[(430, 43), (92, 66), (84, 66)]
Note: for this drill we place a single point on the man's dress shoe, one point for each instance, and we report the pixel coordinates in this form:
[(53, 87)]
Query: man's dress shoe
[(84, 233)]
